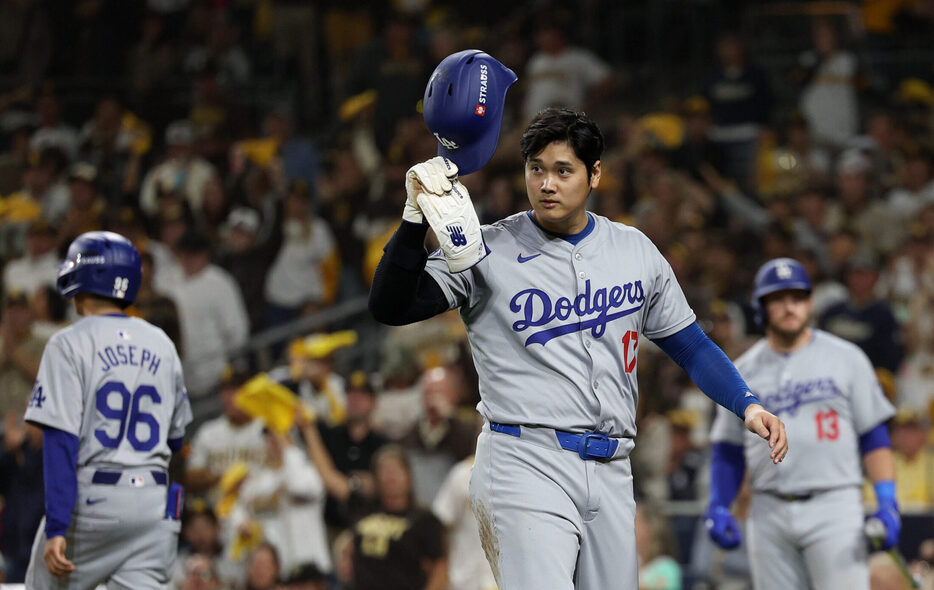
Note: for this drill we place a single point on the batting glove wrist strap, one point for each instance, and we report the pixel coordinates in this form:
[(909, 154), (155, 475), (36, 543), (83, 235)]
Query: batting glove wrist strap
[(722, 527), (456, 225)]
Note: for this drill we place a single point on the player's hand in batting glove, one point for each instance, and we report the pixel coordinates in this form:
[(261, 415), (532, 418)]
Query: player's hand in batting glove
[(886, 515), (454, 220), (434, 176), (55, 560), (770, 427), (722, 527)]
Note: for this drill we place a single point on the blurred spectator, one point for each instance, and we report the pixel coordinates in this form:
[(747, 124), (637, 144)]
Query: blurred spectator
[(21, 492), (857, 207), (468, 568), (39, 266), (263, 571), (697, 147), (155, 307), (284, 496), (398, 545), (200, 540), (884, 574), (814, 160), (395, 65), (199, 573), (914, 460), (915, 189), (216, 114), (213, 319), (352, 444), (740, 100), (306, 577), (829, 76), (311, 374), (53, 132), (222, 442), (559, 74), (20, 352), (865, 320), (247, 258), (439, 439), (303, 277), (43, 184), (27, 40), (342, 550), (48, 312), (287, 156), (88, 209), (222, 50), (150, 61), (658, 569), (728, 328), (295, 43), (181, 171)]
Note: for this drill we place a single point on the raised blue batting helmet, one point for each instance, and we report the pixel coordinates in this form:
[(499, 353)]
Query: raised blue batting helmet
[(463, 107), (102, 263), (779, 274)]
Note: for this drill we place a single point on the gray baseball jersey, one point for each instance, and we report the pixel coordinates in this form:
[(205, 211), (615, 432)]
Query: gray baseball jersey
[(116, 383), (554, 327), (827, 394), (806, 518)]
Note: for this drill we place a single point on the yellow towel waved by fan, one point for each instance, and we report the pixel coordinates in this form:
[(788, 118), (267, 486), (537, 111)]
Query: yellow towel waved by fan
[(271, 402), (318, 346), (229, 487)]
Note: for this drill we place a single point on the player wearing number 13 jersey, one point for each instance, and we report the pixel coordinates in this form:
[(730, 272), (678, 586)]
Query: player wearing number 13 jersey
[(111, 400), (805, 524)]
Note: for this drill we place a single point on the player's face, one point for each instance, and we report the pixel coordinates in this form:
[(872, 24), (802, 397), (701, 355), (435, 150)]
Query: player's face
[(557, 185), (788, 312)]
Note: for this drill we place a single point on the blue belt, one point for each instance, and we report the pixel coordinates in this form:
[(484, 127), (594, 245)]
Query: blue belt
[(110, 478), (589, 445)]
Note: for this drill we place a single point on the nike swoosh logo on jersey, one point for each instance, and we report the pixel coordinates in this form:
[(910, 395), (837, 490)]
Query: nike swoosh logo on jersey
[(91, 501), (522, 258)]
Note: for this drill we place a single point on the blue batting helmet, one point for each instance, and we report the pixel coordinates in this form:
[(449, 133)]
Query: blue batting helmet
[(463, 107), (779, 274), (103, 263)]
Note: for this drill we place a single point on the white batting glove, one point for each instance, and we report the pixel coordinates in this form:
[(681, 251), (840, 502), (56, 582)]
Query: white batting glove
[(454, 219), (433, 176)]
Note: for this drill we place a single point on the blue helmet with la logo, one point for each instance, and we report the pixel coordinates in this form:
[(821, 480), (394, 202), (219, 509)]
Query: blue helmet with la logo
[(103, 263), (463, 107), (778, 274)]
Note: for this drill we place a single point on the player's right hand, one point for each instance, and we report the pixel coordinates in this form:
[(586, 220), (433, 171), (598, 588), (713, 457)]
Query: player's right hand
[(767, 425), (55, 560), (722, 527), (435, 176)]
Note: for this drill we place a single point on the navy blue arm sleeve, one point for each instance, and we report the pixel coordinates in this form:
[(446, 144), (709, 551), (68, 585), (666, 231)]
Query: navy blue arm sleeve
[(175, 444), (876, 438), (60, 469), (709, 368), (402, 292), (726, 473)]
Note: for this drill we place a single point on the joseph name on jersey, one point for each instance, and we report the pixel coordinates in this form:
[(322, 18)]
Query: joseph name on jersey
[(132, 379)]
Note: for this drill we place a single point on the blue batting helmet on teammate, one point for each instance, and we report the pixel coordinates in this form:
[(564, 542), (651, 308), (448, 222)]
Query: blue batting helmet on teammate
[(778, 274), (103, 263), (463, 107)]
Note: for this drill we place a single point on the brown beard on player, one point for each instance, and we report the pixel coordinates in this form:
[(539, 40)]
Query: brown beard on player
[(788, 338)]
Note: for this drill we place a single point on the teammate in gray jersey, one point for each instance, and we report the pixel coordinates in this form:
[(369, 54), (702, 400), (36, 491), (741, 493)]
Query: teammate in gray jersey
[(805, 527), (111, 401), (555, 313)]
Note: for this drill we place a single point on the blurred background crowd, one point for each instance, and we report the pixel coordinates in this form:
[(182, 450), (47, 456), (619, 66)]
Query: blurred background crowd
[(255, 150)]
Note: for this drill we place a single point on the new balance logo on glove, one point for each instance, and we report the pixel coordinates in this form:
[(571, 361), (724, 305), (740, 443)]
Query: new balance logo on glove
[(457, 235)]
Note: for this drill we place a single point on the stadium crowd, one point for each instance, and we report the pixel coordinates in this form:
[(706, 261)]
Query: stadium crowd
[(255, 151)]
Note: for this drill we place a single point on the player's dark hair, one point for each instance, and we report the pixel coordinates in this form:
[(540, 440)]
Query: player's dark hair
[(575, 128)]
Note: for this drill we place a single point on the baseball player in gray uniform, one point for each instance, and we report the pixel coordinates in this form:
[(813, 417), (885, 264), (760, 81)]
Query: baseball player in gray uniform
[(555, 308), (805, 524), (111, 401)]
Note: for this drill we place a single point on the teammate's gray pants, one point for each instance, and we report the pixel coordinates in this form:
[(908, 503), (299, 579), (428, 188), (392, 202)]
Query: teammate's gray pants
[(549, 519), (815, 544), (123, 541)]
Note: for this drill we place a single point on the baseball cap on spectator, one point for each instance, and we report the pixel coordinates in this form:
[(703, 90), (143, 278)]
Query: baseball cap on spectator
[(853, 161), (180, 132), (360, 382), (82, 171), (231, 377), (863, 260), (12, 298), (907, 415), (915, 91), (243, 218)]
